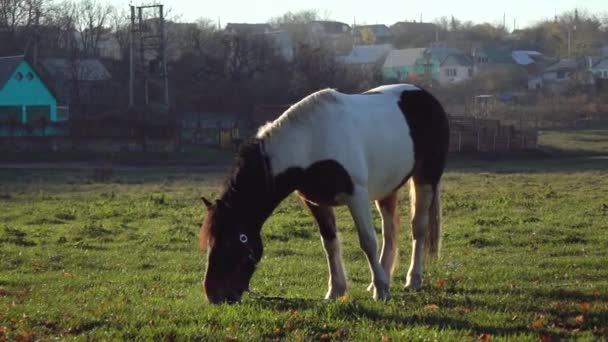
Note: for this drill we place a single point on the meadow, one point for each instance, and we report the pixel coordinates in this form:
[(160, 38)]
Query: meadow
[(114, 256)]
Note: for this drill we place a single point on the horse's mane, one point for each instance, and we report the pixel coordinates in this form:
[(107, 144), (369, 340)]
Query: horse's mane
[(249, 168), (299, 111)]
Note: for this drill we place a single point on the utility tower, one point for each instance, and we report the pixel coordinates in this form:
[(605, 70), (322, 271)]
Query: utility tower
[(148, 54)]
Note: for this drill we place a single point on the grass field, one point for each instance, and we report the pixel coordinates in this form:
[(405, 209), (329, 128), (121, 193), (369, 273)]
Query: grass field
[(525, 255)]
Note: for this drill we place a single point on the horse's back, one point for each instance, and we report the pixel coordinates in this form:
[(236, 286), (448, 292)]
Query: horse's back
[(369, 135), (381, 152)]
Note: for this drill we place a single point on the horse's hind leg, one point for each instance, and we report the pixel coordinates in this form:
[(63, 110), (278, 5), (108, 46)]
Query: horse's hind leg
[(326, 220), (421, 197), (387, 207)]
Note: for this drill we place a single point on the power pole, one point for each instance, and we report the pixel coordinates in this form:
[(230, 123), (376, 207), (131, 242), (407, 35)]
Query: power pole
[(148, 42), (132, 58)]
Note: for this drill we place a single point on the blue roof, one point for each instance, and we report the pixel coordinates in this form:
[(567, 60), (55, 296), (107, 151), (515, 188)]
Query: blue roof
[(366, 54)]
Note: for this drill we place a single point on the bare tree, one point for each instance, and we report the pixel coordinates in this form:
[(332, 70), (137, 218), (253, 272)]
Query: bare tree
[(18, 19)]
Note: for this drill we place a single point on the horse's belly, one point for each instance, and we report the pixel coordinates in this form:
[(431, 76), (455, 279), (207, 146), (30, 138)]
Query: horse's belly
[(390, 161), (386, 181)]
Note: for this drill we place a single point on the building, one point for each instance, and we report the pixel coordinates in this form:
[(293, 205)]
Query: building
[(25, 97), (83, 84), (600, 69), (335, 35), (366, 55), (402, 65), (455, 68), (372, 35)]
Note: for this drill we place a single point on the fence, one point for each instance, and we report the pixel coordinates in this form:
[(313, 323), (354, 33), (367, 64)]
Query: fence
[(469, 134)]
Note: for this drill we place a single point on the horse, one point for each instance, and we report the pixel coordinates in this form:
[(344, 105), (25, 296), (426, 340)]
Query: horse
[(334, 149)]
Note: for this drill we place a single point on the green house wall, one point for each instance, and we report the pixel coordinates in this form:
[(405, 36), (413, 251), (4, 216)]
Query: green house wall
[(23, 93), (401, 73)]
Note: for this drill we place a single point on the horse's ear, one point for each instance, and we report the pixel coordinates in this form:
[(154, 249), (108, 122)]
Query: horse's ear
[(207, 203)]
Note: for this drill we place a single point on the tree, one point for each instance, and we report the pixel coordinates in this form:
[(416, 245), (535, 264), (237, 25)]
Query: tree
[(18, 20)]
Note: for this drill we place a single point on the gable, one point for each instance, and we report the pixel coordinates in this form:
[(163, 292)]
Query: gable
[(24, 87), (7, 67)]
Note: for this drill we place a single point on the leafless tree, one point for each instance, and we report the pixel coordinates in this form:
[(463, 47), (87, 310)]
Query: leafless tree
[(18, 19)]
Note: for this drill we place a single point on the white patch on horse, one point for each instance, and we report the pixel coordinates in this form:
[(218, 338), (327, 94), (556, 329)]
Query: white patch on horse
[(360, 132)]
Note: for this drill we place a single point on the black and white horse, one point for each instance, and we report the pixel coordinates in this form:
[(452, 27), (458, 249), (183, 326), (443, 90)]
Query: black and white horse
[(334, 149)]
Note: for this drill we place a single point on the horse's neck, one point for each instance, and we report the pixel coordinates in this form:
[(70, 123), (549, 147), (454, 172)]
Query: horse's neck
[(254, 199)]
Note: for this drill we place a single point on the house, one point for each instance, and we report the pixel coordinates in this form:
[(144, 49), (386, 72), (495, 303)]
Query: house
[(246, 28), (557, 77), (426, 63), (372, 34), (406, 34), (455, 68), (600, 69), (283, 43), (84, 84), (366, 55), (491, 58), (533, 62), (402, 65), (333, 34), (25, 97)]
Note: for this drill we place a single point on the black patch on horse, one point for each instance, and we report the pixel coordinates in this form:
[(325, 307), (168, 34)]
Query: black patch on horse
[(429, 129), (319, 183)]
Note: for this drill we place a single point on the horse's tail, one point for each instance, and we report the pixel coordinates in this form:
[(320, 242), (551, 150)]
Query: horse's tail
[(431, 220)]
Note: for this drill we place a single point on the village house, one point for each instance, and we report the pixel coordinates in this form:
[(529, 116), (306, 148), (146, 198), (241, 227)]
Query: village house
[(24, 96), (83, 84), (455, 68), (600, 69), (335, 35), (366, 56), (372, 35), (557, 77), (402, 65)]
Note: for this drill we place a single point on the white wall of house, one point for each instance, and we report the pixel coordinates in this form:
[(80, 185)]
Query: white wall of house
[(557, 76), (535, 83), (451, 74), (601, 73)]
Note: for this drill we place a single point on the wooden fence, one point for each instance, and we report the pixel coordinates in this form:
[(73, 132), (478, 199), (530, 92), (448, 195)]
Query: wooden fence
[(469, 134)]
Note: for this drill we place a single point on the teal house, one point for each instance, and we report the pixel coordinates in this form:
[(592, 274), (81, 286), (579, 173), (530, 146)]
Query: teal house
[(24, 97), (411, 65)]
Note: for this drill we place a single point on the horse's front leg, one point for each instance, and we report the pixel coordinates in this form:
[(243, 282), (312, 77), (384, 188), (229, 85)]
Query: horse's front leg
[(359, 207), (326, 220)]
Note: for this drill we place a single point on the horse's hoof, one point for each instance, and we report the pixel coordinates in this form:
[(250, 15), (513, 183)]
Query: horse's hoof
[(413, 289), (334, 293), (382, 295), (413, 283)]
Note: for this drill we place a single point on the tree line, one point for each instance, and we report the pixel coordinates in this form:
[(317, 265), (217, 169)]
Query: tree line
[(233, 72)]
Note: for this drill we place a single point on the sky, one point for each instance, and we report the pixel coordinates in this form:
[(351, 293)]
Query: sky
[(525, 12)]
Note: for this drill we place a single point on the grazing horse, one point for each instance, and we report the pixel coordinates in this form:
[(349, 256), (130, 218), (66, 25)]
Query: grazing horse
[(334, 149)]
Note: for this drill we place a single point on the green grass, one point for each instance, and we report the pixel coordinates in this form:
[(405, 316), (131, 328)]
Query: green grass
[(199, 155), (525, 255), (579, 141)]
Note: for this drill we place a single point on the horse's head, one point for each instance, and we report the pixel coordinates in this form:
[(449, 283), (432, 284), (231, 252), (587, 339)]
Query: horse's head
[(233, 252)]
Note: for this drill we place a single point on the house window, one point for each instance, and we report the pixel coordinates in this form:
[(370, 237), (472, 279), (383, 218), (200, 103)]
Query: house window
[(29, 76), (19, 76), (605, 73), (451, 72), (561, 75), (38, 113), (470, 72), (10, 114)]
